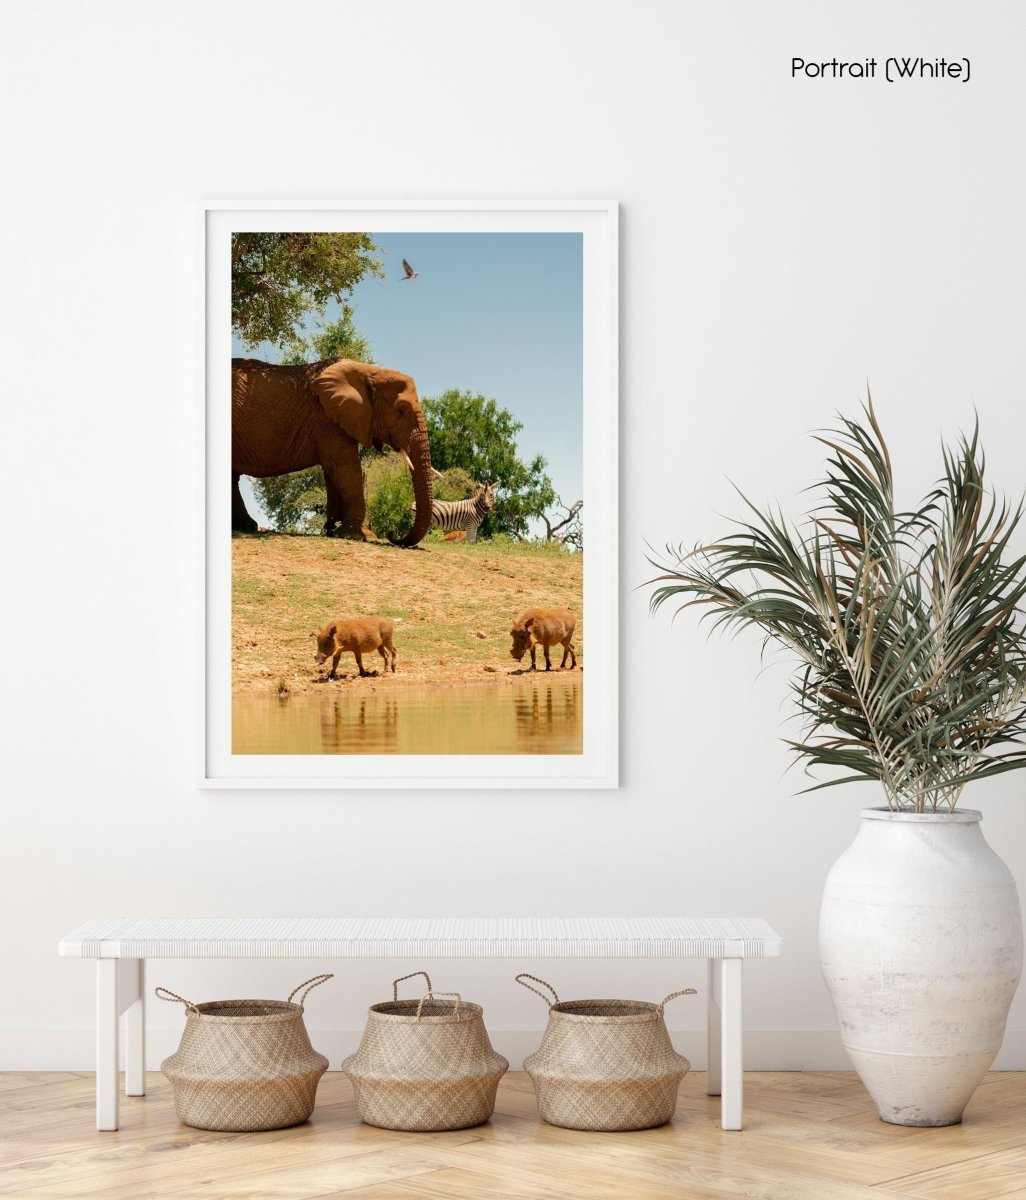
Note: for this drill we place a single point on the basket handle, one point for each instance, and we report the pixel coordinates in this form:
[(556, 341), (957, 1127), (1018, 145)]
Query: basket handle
[(674, 995), (308, 985), (432, 995), (397, 982), (523, 975), (163, 994)]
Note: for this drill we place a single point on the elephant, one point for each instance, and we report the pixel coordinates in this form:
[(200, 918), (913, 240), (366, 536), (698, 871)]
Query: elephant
[(289, 418)]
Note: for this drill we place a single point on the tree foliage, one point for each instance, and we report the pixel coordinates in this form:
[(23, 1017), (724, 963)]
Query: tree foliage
[(341, 339), (388, 485), (295, 503), (338, 339), (455, 484), (390, 495), (279, 278), (471, 431)]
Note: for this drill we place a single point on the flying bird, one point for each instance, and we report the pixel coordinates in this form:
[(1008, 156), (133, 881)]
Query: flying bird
[(410, 272)]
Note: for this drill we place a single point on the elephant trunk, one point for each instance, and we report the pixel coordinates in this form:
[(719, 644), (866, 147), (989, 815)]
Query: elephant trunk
[(420, 455)]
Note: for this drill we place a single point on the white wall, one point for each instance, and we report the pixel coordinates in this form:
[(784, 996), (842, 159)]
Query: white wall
[(783, 242)]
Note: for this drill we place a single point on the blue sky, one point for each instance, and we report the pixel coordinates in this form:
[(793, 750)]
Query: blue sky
[(495, 313)]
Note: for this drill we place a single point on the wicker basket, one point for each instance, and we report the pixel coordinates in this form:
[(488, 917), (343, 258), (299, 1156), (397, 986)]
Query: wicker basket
[(605, 1064), (245, 1065), (425, 1065)]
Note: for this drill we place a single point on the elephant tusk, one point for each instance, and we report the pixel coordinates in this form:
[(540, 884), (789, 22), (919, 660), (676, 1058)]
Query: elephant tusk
[(409, 463)]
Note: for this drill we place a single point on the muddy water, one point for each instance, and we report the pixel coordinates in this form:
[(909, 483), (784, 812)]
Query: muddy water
[(539, 716)]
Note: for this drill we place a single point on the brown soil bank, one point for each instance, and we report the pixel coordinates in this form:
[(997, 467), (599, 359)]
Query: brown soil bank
[(453, 605)]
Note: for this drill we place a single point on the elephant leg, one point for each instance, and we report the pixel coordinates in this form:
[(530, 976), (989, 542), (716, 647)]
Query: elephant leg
[(343, 479), (242, 522)]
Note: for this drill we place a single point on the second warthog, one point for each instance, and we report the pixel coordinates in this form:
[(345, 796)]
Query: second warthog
[(545, 627), (358, 636)]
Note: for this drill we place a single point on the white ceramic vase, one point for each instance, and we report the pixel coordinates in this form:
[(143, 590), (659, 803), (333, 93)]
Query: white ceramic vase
[(921, 945)]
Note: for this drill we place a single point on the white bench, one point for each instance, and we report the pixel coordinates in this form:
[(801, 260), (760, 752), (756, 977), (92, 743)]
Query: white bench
[(121, 948)]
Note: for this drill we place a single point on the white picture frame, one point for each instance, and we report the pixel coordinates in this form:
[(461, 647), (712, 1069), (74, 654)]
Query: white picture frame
[(597, 766)]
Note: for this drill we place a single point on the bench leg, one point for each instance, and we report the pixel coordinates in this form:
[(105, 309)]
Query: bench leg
[(726, 985), (713, 1028), (119, 989), (107, 1014), (133, 978)]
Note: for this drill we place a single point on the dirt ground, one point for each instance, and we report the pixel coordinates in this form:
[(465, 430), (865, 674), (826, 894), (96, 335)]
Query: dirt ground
[(453, 605)]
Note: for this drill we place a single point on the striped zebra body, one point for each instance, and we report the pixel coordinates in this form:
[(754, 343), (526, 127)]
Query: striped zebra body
[(468, 514)]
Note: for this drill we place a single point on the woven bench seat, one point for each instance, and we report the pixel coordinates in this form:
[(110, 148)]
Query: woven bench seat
[(121, 947)]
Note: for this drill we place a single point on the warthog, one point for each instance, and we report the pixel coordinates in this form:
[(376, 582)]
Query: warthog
[(359, 635), (544, 627)]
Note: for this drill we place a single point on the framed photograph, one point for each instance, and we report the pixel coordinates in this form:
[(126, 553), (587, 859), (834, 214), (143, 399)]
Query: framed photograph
[(409, 530)]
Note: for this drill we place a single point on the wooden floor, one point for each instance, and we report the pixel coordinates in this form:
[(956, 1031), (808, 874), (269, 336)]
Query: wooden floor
[(807, 1137)]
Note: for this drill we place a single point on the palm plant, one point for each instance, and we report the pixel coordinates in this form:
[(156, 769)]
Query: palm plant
[(908, 626)]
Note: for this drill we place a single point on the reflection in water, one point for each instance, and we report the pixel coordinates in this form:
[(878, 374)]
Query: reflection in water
[(540, 716), (544, 712), (349, 728)]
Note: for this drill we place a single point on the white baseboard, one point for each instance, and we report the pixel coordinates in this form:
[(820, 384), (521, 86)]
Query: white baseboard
[(765, 1049)]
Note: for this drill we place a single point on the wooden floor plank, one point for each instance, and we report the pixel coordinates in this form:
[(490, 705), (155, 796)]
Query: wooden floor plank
[(978, 1178), (20, 1079), (458, 1184), (807, 1136), (625, 1164)]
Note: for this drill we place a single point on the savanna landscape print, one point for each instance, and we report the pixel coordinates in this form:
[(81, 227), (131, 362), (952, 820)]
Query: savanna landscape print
[(407, 510)]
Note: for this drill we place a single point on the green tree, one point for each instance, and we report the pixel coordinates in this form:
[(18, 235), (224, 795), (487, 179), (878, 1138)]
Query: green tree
[(278, 279), (455, 484), (297, 503), (389, 496), (389, 489), (338, 339), (341, 339), (473, 432)]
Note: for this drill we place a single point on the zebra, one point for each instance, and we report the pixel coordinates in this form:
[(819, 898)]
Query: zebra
[(462, 514)]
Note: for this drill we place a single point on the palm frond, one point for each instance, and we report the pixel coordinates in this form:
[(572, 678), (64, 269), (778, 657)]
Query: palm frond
[(908, 625)]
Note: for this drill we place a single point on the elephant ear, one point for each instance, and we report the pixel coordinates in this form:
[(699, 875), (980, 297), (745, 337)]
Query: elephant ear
[(392, 387), (345, 395)]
